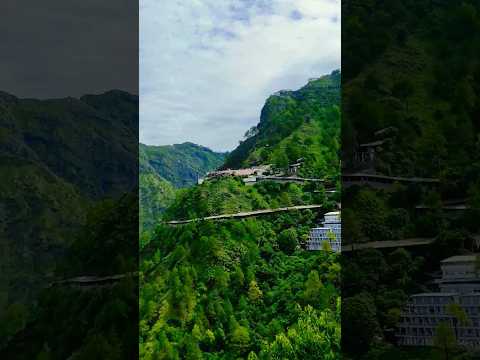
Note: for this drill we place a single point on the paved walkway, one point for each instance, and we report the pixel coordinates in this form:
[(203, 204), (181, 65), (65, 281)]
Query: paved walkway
[(91, 281), (245, 214), (388, 244)]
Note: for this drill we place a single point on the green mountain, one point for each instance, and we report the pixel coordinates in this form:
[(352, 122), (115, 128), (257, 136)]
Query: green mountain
[(296, 124), (66, 165), (165, 168), (105, 318), (412, 82), (414, 66), (180, 164), (246, 288), (57, 158), (156, 194)]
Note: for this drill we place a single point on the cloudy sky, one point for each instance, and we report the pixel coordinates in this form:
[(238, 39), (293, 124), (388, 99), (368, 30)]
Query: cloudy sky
[(207, 66), (58, 48)]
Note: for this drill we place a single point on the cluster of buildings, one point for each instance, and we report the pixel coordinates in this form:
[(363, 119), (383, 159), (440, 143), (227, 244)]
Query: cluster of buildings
[(247, 173), (459, 284), (330, 232), (256, 173)]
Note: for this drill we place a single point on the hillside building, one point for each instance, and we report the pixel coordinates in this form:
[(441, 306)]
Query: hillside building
[(330, 231), (293, 168), (460, 284), (242, 173)]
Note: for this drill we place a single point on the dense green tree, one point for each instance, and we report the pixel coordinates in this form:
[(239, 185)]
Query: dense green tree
[(313, 288), (359, 315), (288, 240), (444, 340)]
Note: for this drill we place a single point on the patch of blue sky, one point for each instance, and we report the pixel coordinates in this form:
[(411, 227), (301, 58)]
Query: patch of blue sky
[(296, 15), (221, 32)]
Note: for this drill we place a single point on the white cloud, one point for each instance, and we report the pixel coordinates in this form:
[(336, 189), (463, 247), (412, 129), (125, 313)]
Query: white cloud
[(207, 66)]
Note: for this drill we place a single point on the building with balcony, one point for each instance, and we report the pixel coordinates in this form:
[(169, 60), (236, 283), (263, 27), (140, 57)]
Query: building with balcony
[(330, 231), (459, 284)]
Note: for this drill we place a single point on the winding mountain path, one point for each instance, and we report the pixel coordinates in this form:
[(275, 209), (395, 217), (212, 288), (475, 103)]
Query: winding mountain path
[(92, 281), (245, 214), (388, 244)]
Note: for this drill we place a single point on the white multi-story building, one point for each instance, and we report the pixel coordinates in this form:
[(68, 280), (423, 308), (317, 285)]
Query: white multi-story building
[(459, 284), (330, 231)]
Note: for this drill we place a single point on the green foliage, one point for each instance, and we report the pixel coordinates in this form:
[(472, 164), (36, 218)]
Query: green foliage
[(92, 322), (288, 240), (239, 289), (164, 168), (254, 292), (316, 335), (231, 195), (156, 194), (179, 164), (297, 124), (108, 231), (444, 340), (360, 313), (13, 320), (313, 288), (237, 296)]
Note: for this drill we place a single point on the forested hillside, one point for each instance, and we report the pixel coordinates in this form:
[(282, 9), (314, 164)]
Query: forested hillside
[(84, 322), (67, 165), (296, 124), (156, 194), (414, 66), (238, 288), (163, 169), (58, 157), (421, 77), (248, 288), (180, 164)]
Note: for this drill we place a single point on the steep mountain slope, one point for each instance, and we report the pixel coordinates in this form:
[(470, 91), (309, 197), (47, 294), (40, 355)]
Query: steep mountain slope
[(84, 322), (165, 168), (414, 66), (238, 288), (88, 141), (245, 288), (180, 164), (294, 124), (58, 157), (414, 83), (156, 194)]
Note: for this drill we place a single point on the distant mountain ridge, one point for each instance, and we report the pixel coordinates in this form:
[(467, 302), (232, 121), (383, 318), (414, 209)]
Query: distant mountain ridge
[(180, 164), (166, 168)]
